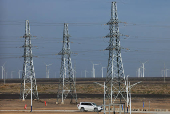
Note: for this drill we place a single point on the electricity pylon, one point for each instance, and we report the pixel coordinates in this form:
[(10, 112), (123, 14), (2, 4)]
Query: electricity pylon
[(67, 80), (28, 75), (115, 78)]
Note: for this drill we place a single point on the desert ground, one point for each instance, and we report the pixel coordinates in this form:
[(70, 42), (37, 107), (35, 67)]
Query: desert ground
[(17, 104), (154, 92)]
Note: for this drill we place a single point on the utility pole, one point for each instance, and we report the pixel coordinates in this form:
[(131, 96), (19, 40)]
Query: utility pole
[(104, 95), (115, 78), (47, 71), (102, 71), (127, 92), (28, 74), (104, 98), (31, 92), (67, 79)]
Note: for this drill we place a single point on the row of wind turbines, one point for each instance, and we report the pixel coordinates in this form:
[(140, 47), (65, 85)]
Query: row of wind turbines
[(139, 73), (141, 70), (5, 73), (93, 71)]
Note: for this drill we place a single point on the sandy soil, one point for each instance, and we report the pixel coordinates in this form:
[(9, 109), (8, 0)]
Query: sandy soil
[(16, 104), (147, 87)]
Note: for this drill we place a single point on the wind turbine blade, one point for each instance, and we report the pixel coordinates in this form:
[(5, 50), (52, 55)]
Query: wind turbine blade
[(4, 63)]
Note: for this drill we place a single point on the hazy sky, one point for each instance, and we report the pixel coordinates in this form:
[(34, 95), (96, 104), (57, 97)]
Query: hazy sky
[(148, 27)]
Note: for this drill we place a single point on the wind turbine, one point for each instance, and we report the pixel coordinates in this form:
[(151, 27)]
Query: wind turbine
[(3, 69), (85, 72), (163, 73), (138, 72), (102, 71), (19, 73), (166, 72), (141, 74), (143, 66), (11, 74), (94, 70), (47, 71)]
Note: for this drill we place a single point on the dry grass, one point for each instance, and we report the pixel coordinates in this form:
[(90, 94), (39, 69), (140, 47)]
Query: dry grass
[(10, 88), (137, 103), (143, 88), (151, 89)]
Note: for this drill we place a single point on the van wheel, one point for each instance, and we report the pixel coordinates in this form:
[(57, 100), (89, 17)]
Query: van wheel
[(82, 109), (95, 110)]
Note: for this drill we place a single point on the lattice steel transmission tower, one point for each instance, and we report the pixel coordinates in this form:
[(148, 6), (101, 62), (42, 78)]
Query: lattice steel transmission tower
[(115, 78), (67, 80), (28, 75)]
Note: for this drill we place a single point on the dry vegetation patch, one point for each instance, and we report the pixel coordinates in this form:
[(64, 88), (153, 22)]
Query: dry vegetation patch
[(151, 88), (10, 88), (90, 88)]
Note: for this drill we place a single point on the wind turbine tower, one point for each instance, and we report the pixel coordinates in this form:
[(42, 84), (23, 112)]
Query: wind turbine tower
[(67, 79), (3, 70), (28, 74), (139, 72), (12, 74), (143, 67), (19, 73), (47, 71), (85, 73), (93, 70), (166, 72), (102, 71)]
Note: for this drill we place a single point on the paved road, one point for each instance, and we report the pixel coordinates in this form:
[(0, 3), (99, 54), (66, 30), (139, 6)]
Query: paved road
[(147, 112), (39, 110), (150, 112)]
